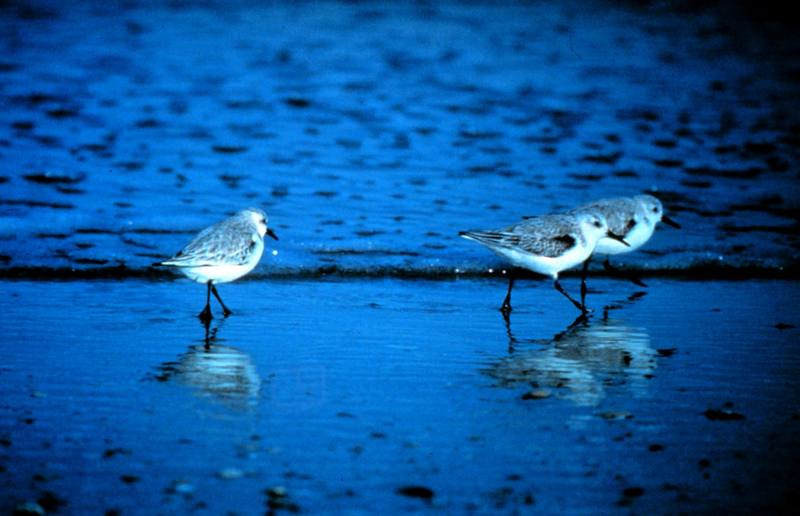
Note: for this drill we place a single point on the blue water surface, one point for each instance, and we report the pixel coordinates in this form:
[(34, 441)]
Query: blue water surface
[(343, 393), (372, 133)]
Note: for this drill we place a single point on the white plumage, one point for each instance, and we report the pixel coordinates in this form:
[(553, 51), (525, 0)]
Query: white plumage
[(223, 252)]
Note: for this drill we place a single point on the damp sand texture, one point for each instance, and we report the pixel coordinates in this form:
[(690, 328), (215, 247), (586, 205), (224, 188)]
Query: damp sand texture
[(373, 134), (369, 388), (366, 367)]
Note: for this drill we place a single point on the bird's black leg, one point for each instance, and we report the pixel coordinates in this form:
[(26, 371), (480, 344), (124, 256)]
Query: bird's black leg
[(583, 282), (558, 287), (506, 306), (205, 315), (630, 277), (225, 310)]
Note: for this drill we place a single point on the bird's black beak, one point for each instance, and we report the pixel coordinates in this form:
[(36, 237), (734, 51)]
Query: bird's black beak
[(272, 233), (669, 222), (618, 238)]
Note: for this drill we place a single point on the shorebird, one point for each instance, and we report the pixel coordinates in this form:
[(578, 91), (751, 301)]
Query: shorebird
[(222, 253), (546, 244), (632, 218)]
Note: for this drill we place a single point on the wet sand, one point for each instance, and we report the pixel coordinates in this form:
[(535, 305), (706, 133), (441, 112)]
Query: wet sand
[(373, 133), (391, 395), (366, 368)]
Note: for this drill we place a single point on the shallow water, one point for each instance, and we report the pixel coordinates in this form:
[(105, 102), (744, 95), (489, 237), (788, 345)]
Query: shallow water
[(373, 133), (344, 392)]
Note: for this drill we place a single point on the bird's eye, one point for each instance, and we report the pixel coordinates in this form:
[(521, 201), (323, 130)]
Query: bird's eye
[(263, 221), (597, 224), (655, 210)]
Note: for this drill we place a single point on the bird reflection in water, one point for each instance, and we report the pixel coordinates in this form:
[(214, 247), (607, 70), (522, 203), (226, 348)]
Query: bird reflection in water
[(581, 362), (219, 372)]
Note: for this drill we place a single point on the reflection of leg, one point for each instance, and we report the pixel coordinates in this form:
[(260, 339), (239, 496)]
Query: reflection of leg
[(209, 338), (512, 341), (581, 319), (583, 282), (637, 295), (205, 315), (558, 287), (225, 310), (506, 307), (630, 277)]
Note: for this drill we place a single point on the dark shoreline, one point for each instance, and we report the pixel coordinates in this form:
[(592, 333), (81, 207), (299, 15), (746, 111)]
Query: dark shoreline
[(699, 272)]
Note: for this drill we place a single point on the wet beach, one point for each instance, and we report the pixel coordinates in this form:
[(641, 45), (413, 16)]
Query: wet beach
[(365, 388), (366, 367), (372, 134)]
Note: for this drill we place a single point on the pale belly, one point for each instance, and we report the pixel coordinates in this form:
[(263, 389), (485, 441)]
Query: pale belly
[(543, 264), (636, 238), (217, 273), (223, 273)]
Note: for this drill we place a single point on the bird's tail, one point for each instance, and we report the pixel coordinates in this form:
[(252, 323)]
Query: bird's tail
[(489, 238), (181, 261)]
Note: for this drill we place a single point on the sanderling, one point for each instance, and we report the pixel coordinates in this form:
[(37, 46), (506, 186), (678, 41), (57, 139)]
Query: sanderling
[(223, 252), (546, 244), (634, 219)]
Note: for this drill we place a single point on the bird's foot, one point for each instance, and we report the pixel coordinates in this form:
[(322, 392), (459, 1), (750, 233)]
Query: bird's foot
[(205, 316)]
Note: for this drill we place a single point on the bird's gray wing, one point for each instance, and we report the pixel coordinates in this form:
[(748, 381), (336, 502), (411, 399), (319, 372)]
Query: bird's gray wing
[(619, 213), (226, 243), (627, 228), (549, 236), (550, 246)]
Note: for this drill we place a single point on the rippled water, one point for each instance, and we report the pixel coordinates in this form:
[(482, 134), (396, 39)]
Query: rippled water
[(373, 133), (346, 392), (582, 360)]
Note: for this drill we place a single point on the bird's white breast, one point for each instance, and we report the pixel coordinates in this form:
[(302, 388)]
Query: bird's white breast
[(636, 238), (546, 265)]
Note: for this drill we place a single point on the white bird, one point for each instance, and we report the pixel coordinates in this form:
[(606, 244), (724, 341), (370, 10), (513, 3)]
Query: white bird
[(546, 244), (632, 218), (222, 253)]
